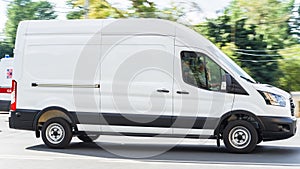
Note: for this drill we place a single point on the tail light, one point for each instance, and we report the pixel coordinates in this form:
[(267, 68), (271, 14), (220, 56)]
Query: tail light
[(5, 90), (13, 104)]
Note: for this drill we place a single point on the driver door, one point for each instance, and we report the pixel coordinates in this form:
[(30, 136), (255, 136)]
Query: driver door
[(200, 96)]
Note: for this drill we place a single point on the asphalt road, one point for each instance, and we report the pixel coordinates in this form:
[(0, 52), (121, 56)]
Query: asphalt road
[(20, 149)]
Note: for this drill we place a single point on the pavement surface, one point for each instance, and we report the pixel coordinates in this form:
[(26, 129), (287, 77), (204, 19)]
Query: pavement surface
[(21, 150)]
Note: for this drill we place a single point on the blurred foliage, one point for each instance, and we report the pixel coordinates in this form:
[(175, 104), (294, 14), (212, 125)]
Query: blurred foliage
[(19, 10), (138, 9), (294, 23), (217, 30), (143, 8), (271, 18), (256, 31), (290, 66), (5, 48), (97, 10)]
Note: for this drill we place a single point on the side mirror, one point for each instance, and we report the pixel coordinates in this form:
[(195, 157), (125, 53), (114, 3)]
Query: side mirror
[(232, 86), (228, 81)]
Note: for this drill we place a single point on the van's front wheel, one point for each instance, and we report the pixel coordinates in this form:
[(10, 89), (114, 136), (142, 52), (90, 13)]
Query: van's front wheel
[(240, 137), (57, 133)]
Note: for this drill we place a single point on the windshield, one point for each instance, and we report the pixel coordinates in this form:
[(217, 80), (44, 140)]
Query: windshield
[(227, 61)]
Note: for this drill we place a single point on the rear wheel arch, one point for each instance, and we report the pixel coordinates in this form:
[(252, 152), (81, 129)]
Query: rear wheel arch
[(53, 112)]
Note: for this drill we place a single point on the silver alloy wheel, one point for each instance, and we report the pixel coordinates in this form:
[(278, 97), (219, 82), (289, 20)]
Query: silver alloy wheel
[(55, 133), (239, 137)]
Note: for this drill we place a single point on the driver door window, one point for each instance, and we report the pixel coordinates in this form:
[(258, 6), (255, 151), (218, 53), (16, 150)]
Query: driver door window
[(200, 71), (215, 76), (193, 69)]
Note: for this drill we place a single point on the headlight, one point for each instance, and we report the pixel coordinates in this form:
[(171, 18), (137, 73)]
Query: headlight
[(273, 99)]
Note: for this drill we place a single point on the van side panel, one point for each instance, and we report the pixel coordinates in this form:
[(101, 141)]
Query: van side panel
[(53, 67), (137, 77)]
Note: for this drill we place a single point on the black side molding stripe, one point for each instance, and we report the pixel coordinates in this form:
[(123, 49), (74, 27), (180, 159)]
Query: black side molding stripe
[(146, 120), (25, 119)]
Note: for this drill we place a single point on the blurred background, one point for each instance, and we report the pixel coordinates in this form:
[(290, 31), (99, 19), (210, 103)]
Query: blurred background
[(263, 36)]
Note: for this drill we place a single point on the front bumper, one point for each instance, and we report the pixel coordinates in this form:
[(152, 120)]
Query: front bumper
[(278, 128)]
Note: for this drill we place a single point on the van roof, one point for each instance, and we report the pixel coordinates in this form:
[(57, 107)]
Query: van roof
[(184, 35), (105, 26)]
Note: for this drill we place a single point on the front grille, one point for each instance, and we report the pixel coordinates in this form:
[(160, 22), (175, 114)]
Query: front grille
[(292, 107)]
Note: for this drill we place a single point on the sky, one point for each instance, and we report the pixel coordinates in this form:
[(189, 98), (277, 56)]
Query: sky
[(209, 7)]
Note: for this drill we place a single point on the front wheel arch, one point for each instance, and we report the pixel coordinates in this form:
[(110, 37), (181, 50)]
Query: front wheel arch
[(238, 115)]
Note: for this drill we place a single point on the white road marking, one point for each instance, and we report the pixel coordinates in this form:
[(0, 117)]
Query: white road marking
[(10, 134), (17, 157), (143, 161)]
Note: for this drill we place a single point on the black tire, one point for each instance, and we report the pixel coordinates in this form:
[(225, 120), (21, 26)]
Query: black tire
[(88, 138), (57, 133), (240, 137), (259, 140)]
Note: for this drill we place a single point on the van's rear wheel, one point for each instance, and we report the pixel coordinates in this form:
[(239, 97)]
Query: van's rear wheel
[(57, 133), (240, 137), (88, 138)]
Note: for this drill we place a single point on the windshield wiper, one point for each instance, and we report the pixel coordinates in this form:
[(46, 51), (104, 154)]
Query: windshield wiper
[(247, 79)]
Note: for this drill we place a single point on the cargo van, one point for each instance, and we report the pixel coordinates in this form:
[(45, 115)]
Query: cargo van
[(6, 71), (138, 77)]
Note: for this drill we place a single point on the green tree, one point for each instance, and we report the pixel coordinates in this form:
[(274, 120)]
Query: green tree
[(5, 49), (271, 18), (138, 9), (172, 13), (148, 9), (256, 30), (253, 54), (42, 10), (218, 30), (19, 10), (267, 22), (95, 10), (290, 65), (143, 8), (294, 23)]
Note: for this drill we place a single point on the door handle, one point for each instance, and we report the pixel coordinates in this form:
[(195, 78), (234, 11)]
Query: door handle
[(162, 90), (182, 92)]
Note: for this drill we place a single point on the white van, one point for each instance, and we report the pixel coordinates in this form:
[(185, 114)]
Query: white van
[(6, 71), (138, 77)]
